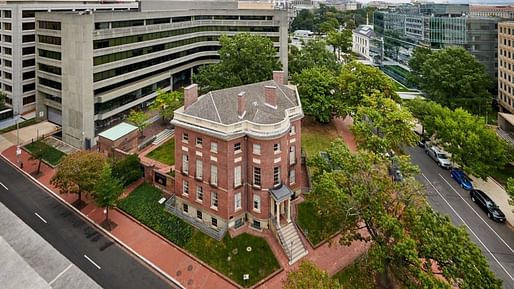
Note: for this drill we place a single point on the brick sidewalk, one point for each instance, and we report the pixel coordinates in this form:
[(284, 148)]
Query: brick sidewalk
[(188, 271)]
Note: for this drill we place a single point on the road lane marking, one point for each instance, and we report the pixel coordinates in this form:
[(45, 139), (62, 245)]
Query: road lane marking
[(2, 184), (60, 274), (469, 228), (503, 241), (44, 221), (92, 262)]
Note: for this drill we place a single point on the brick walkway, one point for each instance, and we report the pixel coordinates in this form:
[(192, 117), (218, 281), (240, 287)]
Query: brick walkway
[(190, 272)]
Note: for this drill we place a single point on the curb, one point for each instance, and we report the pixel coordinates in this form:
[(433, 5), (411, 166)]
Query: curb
[(105, 232)]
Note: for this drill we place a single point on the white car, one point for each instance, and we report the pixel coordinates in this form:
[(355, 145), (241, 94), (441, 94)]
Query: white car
[(439, 156)]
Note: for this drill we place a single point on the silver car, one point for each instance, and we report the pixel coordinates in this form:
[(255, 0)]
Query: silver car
[(439, 156)]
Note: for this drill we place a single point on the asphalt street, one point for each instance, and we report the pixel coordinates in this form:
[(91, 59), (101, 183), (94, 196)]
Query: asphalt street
[(106, 262), (445, 196)]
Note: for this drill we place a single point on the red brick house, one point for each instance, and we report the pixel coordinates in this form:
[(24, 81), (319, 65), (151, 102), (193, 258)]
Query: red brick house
[(238, 156)]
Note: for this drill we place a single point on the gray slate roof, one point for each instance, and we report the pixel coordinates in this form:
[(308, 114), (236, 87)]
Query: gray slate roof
[(365, 30), (221, 105)]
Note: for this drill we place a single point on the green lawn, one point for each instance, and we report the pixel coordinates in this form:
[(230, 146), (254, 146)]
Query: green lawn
[(312, 225), (317, 136), (502, 175), (52, 156), (164, 153), (259, 262), (358, 275)]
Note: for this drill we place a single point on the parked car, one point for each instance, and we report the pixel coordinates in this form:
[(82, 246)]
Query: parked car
[(422, 143), (484, 202), (439, 156), (460, 177)]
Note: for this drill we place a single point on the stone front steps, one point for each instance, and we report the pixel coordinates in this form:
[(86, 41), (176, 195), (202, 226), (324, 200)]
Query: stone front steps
[(291, 243)]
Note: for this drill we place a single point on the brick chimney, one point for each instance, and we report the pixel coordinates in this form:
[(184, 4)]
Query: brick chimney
[(279, 77), (190, 95), (241, 102), (270, 95)]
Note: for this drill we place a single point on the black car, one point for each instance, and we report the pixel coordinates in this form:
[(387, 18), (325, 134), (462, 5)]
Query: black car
[(492, 210)]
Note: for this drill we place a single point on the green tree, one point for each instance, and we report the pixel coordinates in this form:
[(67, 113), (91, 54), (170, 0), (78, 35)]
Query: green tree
[(127, 169), (473, 145), (407, 237), (303, 21), (167, 102), (380, 124), (313, 54), (244, 59), (331, 24), (454, 78), (419, 56), (341, 41), (78, 173), (356, 81), (510, 190), (40, 149), (316, 87), (308, 276), (107, 191), (139, 119)]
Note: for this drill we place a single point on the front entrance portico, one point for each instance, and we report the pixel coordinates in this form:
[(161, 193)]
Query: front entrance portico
[(281, 204)]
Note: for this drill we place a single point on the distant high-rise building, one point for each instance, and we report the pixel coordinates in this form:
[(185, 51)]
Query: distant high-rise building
[(504, 12), (506, 66), (438, 26)]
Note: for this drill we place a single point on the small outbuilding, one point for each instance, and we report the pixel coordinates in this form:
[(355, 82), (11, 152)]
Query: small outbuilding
[(121, 137)]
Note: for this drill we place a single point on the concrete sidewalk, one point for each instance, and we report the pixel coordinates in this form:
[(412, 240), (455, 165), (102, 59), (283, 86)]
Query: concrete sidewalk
[(26, 134), (497, 192)]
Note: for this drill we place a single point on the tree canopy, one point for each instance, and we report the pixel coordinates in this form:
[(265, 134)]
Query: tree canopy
[(314, 19), (358, 80), (244, 59), (308, 276), (79, 172), (313, 54), (412, 246), (316, 87), (106, 192), (341, 41), (167, 102), (473, 145), (380, 124), (453, 78), (139, 119)]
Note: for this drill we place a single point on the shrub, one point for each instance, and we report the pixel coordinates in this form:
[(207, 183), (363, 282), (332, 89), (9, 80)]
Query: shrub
[(127, 169)]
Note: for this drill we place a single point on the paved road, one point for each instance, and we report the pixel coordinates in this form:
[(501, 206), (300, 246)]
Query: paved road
[(104, 261), (495, 240)]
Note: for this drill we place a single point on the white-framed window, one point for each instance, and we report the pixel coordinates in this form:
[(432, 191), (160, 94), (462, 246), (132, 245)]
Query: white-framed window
[(237, 176), (292, 155), (237, 201), (214, 200), (292, 130), (185, 187), (292, 176), (185, 163), (214, 175), (199, 141), (256, 176), (237, 147), (185, 137), (276, 148), (214, 147), (257, 203), (214, 222), (199, 169), (276, 176), (199, 193), (256, 149)]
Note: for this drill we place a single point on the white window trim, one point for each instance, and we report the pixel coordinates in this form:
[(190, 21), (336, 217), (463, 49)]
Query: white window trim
[(238, 180), (237, 197), (214, 151), (256, 197), (198, 199), (256, 151), (212, 200)]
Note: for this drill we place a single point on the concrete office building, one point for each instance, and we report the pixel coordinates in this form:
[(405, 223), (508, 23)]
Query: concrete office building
[(506, 66), (18, 43), (93, 68), (438, 26)]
